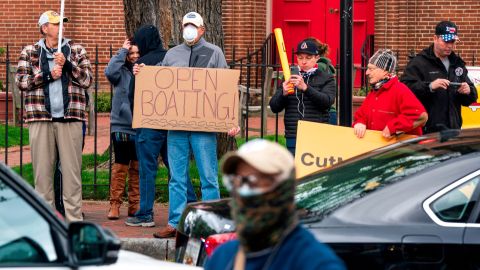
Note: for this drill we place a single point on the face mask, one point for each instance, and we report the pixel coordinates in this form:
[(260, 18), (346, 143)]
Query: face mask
[(268, 216), (190, 33)]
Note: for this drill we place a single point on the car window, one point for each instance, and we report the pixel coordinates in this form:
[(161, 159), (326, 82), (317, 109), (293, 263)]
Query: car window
[(25, 236), (456, 205), (319, 194)]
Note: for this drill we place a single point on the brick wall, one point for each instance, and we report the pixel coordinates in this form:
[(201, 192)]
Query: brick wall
[(101, 23), (409, 25), (91, 23)]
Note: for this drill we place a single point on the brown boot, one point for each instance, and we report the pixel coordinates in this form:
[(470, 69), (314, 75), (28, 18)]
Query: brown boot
[(133, 189), (117, 186)]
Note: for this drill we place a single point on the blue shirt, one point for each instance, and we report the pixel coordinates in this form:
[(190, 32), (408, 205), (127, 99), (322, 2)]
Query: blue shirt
[(299, 250)]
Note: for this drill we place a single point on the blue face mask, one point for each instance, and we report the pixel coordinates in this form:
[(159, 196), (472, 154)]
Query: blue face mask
[(190, 33)]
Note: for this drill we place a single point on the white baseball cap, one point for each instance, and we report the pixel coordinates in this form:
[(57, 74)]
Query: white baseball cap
[(193, 18), (265, 156)]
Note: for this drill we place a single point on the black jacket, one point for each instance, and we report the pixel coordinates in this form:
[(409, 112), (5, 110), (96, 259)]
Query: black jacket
[(311, 105), (443, 107)]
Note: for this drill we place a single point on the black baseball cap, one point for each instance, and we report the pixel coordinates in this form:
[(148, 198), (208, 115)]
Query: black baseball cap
[(447, 30), (308, 47)]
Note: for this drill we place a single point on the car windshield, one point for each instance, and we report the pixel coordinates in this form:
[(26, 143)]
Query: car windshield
[(321, 193)]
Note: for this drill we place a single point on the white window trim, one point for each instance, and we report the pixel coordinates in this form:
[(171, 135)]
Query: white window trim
[(427, 203)]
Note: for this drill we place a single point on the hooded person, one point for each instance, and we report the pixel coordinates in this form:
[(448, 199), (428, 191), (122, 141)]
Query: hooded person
[(149, 143), (390, 107), (263, 207)]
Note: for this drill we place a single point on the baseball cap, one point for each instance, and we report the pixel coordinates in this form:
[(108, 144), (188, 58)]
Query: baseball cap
[(384, 59), (308, 47), (447, 30), (265, 156), (50, 17), (193, 18)]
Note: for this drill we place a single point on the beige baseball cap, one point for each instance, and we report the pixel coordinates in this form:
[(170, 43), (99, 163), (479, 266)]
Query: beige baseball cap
[(50, 16), (265, 156), (193, 18)]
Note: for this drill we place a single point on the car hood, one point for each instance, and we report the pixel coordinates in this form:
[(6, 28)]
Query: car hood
[(132, 260)]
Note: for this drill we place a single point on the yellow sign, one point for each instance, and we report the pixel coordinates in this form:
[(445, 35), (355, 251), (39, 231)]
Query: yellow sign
[(471, 114), (182, 98), (321, 145)]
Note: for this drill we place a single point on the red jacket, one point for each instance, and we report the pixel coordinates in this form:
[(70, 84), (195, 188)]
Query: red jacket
[(393, 105)]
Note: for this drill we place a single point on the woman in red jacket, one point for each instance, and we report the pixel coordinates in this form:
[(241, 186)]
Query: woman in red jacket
[(391, 106)]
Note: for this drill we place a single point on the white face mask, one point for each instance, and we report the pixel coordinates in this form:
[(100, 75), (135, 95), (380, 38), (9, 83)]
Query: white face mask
[(190, 33)]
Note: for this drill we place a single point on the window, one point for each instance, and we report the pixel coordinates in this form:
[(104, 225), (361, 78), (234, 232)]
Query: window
[(25, 236), (456, 204)]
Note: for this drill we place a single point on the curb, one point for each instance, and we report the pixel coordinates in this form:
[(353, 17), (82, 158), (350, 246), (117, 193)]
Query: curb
[(162, 249)]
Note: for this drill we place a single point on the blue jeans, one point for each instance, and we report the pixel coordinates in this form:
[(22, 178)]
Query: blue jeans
[(291, 144), (204, 147), (149, 144)]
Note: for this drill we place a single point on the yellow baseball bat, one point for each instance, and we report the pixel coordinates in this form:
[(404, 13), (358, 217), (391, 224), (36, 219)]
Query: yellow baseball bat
[(282, 52)]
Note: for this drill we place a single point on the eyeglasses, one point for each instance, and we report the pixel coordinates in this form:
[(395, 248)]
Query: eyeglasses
[(233, 180)]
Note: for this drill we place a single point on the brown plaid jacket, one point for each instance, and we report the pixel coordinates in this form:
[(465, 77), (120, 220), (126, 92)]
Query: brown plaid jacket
[(29, 78)]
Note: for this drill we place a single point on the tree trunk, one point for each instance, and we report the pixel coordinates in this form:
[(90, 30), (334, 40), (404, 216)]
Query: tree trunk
[(167, 16)]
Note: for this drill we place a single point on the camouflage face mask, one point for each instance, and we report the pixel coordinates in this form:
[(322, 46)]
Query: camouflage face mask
[(262, 220)]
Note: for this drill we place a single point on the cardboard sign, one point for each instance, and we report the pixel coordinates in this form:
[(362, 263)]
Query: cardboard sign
[(471, 114), (322, 145), (182, 98)]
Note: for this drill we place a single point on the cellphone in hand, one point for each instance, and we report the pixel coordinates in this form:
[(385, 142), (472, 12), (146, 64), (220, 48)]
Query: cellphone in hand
[(456, 84), (294, 70)]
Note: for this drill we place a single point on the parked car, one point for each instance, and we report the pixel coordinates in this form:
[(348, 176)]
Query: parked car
[(32, 236), (411, 205)]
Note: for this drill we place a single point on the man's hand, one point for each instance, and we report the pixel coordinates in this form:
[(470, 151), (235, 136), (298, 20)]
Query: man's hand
[(359, 130), (56, 72), (59, 59), (464, 89), (386, 132), (298, 81), (233, 131), (439, 84), (136, 68), (126, 44), (287, 87)]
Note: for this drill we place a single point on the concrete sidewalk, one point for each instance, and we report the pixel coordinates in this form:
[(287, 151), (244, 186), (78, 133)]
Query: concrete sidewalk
[(138, 239)]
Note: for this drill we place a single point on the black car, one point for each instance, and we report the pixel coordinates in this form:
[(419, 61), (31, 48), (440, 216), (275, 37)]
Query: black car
[(411, 205)]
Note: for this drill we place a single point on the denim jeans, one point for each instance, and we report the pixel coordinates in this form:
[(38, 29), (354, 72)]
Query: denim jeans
[(149, 144), (204, 147), (291, 144)]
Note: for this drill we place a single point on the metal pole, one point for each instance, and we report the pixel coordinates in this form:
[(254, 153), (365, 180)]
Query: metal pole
[(248, 93), (7, 63), (346, 63), (110, 129), (96, 127), (60, 31)]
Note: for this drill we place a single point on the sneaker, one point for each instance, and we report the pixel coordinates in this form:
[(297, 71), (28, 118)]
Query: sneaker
[(137, 222), (166, 232)]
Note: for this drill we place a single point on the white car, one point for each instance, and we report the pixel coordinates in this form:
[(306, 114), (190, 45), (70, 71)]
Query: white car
[(33, 237)]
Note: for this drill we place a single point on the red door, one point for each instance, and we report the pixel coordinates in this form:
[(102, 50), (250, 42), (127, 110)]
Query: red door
[(321, 18)]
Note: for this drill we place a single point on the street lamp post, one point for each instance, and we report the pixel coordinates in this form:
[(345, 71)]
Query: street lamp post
[(346, 62)]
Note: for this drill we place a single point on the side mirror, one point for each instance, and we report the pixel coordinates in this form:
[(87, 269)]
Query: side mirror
[(91, 244)]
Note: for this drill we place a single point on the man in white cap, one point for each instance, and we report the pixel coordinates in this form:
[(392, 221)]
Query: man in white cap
[(260, 177), (194, 52), (55, 85)]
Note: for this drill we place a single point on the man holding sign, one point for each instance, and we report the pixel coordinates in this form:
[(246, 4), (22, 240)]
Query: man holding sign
[(390, 107), (194, 52)]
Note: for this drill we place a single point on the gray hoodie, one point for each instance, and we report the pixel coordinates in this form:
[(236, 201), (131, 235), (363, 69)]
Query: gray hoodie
[(202, 54), (119, 75)]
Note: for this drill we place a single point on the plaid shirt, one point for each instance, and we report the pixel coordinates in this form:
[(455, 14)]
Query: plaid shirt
[(29, 78)]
